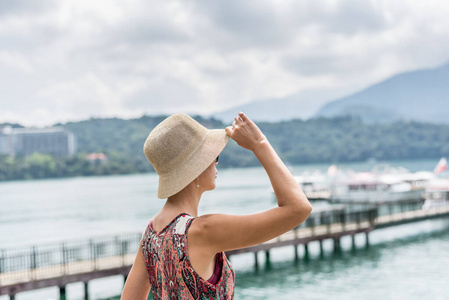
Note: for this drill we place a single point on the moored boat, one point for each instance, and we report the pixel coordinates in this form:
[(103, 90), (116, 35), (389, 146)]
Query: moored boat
[(368, 187), (437, 194), (315, 185)]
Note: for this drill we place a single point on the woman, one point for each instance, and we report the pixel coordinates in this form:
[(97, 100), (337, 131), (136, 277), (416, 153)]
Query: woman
[(181, 255)]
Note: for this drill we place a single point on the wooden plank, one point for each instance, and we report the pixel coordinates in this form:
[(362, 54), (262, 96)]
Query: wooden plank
[(411, 216), (15, 288), (82, 268)]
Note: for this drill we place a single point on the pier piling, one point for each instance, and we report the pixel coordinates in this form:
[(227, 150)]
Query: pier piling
[(86, 290), (336, 244), (353, 248), (256, 260), (62, 293), (321, 248), (267, 257), (306, 251)]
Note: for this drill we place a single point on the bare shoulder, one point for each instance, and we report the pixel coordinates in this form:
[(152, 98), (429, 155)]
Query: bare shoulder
[(199, 227), (222, 232), (204, 228)]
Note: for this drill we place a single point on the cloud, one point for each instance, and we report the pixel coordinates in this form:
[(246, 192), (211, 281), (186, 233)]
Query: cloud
[(352, 17), (15, 61), (69, 60), (244, 24), (21, 7)]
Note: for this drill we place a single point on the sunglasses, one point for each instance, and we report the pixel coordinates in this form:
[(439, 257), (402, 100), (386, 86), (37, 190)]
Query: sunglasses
[(216, 160)]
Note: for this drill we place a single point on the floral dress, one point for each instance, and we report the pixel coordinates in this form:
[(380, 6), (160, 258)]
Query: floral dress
[(169, 269)]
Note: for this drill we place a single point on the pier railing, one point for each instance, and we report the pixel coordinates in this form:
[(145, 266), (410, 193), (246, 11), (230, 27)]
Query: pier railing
[(328, 218), (52, 260)]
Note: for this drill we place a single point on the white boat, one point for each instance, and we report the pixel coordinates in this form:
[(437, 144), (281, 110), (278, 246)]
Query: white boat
[(383, 183), (369, 187), (437, 194), (315, 185)]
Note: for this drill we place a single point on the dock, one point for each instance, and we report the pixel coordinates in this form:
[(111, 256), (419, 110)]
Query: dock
[(23, 269)]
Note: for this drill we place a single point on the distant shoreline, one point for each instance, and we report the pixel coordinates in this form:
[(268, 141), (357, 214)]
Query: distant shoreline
[(431, 161)]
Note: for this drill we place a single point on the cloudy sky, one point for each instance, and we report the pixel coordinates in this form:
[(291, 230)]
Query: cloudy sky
[(69, 60)]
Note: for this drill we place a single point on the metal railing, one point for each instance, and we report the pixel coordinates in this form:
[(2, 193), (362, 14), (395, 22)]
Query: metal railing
[(340, 217), (61, 259)]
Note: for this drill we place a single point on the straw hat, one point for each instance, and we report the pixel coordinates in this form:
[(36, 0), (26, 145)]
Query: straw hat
[(180, 149)]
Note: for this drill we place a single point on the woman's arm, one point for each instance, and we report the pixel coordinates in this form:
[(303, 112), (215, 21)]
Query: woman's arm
[(217, 232), (137, 285)]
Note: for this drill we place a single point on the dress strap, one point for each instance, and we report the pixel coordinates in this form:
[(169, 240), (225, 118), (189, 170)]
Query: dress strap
[(183, 224)]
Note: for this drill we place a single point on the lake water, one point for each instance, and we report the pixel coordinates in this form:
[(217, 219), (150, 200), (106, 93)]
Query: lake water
[(406, 262)]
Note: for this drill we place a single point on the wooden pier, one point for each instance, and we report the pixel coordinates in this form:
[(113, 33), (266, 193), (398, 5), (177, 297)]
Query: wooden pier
[(25, 269)]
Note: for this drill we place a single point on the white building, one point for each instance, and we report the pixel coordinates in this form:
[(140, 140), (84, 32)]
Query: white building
[(23, 141)]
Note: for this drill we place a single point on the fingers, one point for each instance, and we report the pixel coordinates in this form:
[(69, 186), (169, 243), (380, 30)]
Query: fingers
[(239, 120), (229, 130), (243, 116)]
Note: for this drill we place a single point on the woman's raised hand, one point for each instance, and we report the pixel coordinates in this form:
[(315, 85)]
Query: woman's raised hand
[(245, 132), (220, 232)]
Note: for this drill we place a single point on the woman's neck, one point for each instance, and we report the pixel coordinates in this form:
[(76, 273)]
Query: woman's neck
[(186, 201)]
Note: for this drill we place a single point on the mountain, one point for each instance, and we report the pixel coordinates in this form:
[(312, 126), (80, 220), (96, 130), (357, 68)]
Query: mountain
[(302, 105), (421, 95)]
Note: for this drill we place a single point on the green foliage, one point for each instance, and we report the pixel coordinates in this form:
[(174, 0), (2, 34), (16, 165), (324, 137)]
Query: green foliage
[(40, 166), (297, 142)]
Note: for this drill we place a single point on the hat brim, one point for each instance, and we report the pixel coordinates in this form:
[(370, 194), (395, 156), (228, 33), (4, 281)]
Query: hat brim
[(173, 182)]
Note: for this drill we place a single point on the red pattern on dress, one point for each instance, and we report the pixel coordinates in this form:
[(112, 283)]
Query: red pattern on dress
[(169, 269)]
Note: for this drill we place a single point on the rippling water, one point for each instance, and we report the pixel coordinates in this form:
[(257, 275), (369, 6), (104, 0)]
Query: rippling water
[(411, 268), (407, 262)]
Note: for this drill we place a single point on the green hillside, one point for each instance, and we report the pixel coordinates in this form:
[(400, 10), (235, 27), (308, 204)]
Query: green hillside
[(320, 140)]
